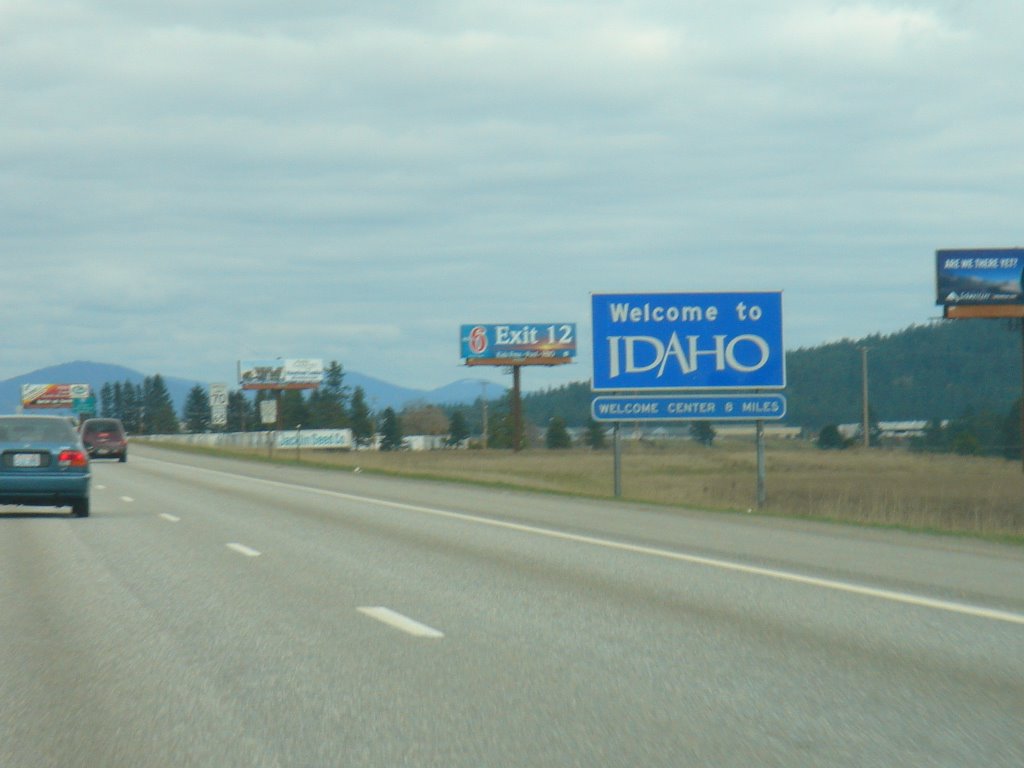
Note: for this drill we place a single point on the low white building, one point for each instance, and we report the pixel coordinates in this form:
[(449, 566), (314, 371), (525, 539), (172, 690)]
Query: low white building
[(424, 442)]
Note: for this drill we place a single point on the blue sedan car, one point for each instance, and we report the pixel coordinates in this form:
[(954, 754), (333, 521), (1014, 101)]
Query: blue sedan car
[(43, 464)]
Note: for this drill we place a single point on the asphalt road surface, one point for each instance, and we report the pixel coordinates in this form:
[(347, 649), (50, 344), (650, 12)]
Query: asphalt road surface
[(218, 613)]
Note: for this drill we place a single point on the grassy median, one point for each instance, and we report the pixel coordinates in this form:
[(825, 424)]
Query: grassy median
[(886, 487)]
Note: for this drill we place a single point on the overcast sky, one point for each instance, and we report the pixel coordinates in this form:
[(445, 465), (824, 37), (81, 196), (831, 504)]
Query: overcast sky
[(186, 184)]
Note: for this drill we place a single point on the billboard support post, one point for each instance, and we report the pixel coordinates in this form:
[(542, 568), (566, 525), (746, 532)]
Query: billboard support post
[(517, 410)]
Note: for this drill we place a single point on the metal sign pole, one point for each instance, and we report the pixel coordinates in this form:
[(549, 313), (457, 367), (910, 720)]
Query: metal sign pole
[(617, 451), (760, 465)]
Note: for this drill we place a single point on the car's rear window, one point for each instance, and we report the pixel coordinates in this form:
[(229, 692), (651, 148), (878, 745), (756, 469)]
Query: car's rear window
[(37, 430), (102, 425)]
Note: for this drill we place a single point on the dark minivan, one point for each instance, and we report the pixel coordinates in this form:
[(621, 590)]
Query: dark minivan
[(105, 438)]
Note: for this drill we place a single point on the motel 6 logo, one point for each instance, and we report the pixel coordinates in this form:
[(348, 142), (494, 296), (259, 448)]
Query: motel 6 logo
[(478, 340)]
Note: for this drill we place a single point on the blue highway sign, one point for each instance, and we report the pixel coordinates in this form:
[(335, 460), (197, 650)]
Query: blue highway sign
[(689, 408), (683, 341)]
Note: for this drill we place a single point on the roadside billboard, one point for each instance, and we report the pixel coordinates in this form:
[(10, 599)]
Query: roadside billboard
[(686, 341), (979, 276), (316, 439), (518, 344), (295, 373), (53, 395)]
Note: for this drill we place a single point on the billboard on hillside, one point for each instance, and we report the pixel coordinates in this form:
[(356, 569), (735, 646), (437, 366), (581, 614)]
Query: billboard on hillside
[(979, 277), (293, 373), (518, 344), (53, 395)]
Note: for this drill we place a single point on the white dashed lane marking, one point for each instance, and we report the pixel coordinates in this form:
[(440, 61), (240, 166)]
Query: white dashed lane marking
[(400, 622), (243, 550)]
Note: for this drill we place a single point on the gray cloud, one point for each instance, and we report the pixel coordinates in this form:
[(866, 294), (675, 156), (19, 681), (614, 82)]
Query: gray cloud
[(239, 179)]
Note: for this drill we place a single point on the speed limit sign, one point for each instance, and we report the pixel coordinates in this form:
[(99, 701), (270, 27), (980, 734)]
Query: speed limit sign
[(219, 404)]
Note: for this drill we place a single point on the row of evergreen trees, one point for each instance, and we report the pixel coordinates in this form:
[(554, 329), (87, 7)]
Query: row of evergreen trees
[(143, 408), (147, 408)]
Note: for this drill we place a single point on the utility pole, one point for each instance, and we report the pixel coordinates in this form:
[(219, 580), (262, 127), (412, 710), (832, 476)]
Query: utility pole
[(864, 396)]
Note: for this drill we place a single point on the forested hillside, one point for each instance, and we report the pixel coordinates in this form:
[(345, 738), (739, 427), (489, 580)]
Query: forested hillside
[(937, 371)]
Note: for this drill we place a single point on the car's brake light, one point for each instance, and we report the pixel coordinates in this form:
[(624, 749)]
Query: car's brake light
[(73, 458)]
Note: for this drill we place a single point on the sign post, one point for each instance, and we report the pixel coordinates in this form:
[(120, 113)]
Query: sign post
[(706, 343), (761, 470)]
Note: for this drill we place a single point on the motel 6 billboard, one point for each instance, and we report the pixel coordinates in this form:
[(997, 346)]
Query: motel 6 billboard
[(688, 341)]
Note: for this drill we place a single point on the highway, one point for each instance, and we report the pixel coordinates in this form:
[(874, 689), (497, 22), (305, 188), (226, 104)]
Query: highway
[(221, 613)]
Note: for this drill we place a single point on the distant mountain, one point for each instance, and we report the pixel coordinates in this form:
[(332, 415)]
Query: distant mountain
[(379, 394)]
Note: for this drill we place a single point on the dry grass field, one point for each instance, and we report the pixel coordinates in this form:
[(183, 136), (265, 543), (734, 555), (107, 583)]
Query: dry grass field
[(977, 496)]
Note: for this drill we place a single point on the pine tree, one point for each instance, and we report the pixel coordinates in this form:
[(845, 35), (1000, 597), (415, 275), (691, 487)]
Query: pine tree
[(158, 410), (327, 405), (117, 405), (703, 433), (595, 434), (130, 408), (458, 429), (359, 418), (557, 437), (391, 431), (238, 416), (197, 410), (107, 401), (294, 411)]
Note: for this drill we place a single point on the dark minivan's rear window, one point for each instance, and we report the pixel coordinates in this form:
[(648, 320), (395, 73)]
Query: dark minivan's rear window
[(102, 425)]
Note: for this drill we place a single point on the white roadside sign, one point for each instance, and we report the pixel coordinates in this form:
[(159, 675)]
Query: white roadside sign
[(219, 405)]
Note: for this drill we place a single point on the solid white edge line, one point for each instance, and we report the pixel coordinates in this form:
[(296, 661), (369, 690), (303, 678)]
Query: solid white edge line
[(400, 622), (170, 518), (242, 549), (905, 598)]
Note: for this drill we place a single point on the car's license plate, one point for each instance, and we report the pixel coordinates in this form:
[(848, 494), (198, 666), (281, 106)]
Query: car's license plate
[(27, 460)]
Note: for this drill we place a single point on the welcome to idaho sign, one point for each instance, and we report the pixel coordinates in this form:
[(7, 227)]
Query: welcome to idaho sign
[(685, 341)]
